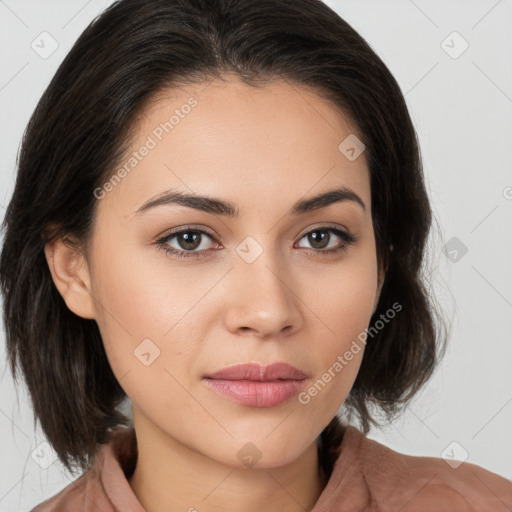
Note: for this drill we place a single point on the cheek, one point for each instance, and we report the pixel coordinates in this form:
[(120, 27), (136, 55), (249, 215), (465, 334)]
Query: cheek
[(148, 312), (138, 289), (344, 311), (129, 307), (344, 298), (346, 314)]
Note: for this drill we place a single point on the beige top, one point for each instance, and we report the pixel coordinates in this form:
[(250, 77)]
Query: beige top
[(367, 477)]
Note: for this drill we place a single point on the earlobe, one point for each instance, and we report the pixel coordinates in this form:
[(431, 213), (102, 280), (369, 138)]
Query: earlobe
[(70, 273)]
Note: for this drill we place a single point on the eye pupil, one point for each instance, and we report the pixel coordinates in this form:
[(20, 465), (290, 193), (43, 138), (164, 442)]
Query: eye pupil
[(188, 240), (313, 238)]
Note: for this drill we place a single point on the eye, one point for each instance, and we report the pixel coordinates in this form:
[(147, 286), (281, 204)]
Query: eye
[(188, 240), (320, 238), (190, 244)]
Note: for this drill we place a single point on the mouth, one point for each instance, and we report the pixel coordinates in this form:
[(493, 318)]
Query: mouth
[(256, 385), (257, 372)]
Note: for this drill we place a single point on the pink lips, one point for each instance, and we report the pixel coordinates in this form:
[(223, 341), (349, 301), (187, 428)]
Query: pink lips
[(256, 385)]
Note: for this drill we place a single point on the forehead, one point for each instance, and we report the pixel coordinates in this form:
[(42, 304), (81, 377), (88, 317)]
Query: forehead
[(235, 108), (229, 139)]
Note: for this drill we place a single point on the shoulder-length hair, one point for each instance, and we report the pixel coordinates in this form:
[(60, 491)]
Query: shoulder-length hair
[(81, 129)]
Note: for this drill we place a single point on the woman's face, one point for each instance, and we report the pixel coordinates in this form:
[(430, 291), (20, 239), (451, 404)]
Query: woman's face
[(255, 284)]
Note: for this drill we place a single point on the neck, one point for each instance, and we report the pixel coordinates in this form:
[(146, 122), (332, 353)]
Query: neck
[(170, 476)]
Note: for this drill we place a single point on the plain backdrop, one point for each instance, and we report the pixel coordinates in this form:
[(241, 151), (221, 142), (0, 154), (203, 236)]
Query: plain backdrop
[(453, 61)]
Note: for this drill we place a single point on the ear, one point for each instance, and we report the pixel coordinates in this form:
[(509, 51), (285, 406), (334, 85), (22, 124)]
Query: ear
[(70, 274), (380, 282)]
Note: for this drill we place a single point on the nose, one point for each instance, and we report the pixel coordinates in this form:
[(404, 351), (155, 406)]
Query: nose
[(263, 298)]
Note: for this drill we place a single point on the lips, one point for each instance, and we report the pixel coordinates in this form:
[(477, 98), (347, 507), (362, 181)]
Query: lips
[(256, 385), (257, 372)]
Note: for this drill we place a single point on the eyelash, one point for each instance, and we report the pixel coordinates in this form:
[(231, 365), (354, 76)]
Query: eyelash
[(161, 243)]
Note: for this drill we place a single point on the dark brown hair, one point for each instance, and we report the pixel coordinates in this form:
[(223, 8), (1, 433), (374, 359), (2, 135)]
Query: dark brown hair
[(82, 126)]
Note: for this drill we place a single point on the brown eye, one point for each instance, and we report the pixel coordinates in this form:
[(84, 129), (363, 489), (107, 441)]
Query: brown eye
[(187, 241), (320, 238)]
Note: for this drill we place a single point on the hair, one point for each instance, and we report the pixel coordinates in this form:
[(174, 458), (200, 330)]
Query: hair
[(82, 127)]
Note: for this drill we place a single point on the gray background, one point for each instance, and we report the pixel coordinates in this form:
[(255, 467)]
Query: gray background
[(461, 104)]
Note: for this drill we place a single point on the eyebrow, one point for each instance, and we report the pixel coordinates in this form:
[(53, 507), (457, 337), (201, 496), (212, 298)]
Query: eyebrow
[(219, 207)]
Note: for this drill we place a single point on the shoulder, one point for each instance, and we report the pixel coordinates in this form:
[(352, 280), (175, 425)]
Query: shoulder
[(415, 483), (104, 487), (80, 494)]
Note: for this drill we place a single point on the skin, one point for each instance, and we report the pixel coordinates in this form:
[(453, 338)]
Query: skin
[(262, 149)]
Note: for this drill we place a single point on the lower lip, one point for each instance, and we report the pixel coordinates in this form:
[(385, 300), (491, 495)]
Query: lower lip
[(256, 393)]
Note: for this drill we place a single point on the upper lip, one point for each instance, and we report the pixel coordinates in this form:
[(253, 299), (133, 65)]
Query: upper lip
[(255, 371)]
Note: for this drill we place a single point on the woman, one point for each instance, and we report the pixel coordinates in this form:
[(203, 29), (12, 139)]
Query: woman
[(220, 214)]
